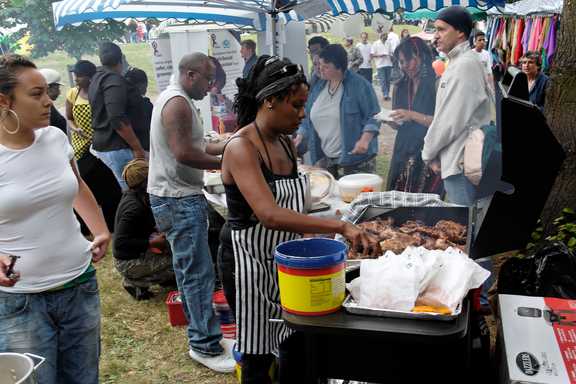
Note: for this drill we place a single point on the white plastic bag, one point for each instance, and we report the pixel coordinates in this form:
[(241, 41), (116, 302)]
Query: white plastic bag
[(427, 264), (354, 288), (390, 282), (456, 275)]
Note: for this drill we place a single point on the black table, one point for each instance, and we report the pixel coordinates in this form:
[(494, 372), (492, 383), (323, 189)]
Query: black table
[(384, 350)]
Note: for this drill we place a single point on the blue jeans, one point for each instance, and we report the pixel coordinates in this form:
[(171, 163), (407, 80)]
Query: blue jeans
[(185, 222), (459, 190), (384, 74), (116, 161), (61, 326)]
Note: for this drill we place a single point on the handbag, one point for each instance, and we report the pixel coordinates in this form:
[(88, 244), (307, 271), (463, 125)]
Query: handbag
[(482, 146), (480, 149)]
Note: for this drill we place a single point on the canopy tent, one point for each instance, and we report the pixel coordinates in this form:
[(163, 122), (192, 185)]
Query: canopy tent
[(326, 23), (529, 7), (75, 12), (238, 13), (477, 14)]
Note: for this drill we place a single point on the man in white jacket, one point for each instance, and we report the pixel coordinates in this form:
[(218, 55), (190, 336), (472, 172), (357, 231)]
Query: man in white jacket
[(462, 104)]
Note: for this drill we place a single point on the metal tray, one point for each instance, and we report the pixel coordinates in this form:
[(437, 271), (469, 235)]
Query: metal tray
[(351, 306)]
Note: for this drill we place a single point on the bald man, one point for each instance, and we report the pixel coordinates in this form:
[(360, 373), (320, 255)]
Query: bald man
[(178, 157)]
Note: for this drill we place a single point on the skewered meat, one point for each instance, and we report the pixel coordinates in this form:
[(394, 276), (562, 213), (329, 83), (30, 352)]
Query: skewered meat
[(444, 234)]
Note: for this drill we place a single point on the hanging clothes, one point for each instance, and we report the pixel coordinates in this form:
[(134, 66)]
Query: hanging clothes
[(550, 43), (512, 36), (543, 33), (518, 50), (526, 36), (533, 44)]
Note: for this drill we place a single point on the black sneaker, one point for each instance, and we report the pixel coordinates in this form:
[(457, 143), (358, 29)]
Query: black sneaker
[(139, 293)]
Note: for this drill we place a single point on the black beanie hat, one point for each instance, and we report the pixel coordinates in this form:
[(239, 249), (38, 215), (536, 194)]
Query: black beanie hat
[(458, 17)]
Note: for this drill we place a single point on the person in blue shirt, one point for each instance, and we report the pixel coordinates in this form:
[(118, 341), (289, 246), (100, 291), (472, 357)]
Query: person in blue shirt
[(248, 53), (531, 64), (339, 128)]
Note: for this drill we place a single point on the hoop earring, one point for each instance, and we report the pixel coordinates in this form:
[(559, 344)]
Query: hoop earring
[(5, 113)]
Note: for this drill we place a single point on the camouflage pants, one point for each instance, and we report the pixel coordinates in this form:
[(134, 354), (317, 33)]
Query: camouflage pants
[(146, 270)]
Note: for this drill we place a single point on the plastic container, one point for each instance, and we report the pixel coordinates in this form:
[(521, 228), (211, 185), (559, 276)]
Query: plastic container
[(175, 310), (311, 275), (352, 185)]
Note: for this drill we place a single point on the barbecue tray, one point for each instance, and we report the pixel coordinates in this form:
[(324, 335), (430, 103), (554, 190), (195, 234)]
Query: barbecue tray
[(428, 215), (352, 307)]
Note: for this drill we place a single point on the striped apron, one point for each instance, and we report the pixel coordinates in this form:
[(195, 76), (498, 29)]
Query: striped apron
[(257, 292)]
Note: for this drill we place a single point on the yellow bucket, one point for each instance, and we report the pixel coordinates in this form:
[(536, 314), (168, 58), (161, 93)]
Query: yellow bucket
[(311, 275)]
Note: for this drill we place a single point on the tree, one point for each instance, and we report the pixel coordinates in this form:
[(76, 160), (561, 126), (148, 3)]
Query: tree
[(561, 115), (37, 16)]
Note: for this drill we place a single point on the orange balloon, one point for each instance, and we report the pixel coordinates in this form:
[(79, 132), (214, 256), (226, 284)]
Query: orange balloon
[(439, 67)]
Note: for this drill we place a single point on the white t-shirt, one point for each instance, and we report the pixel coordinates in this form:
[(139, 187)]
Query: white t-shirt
[(394, 40), (37, 222), (325, 116), (486, 59), (365, 50), (380, 48)]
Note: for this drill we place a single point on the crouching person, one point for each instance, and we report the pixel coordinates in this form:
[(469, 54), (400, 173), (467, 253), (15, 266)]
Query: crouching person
[(142, 255)]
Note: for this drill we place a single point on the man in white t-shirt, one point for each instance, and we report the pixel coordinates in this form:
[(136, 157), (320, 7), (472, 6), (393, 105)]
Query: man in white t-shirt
[(484, 56), (382, 53), (394, 39), (365, 49)]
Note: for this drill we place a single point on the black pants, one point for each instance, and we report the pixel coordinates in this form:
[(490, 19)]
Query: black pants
[(291, 363), (215, 223), (226, 267), (103, 185), (366, 73)]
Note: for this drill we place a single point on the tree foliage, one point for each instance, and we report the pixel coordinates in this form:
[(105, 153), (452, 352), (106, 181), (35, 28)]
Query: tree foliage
[(37, 16)]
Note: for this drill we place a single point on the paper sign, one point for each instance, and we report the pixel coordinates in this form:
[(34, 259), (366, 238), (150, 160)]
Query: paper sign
[(162, 62)]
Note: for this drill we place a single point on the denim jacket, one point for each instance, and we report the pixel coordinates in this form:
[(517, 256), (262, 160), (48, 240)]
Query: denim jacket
[(357, 109)]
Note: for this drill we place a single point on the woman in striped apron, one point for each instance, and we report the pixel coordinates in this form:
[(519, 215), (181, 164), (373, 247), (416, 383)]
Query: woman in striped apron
[(266, 199)]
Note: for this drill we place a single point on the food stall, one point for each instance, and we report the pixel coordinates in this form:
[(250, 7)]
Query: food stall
[(384, 349)]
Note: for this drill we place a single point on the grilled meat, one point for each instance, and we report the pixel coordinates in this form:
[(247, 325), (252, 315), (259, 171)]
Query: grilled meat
[(455, 232), (444, 234)]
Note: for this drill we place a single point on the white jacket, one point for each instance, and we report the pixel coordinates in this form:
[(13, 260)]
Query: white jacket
[(462, 104)]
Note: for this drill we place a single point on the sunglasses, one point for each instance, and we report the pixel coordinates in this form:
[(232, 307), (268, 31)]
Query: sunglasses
[(287, 70)]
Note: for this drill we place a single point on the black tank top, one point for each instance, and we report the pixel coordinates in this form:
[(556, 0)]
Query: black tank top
[(240, 214)]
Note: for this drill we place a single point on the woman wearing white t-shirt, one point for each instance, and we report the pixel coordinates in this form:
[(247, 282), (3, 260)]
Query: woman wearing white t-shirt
[(51, 306)]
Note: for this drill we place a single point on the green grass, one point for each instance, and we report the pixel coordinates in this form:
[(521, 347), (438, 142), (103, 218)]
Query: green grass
[(138, 344)]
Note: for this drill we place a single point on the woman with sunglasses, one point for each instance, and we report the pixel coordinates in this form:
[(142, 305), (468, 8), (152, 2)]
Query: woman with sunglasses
[(339, 127), (266, 199), (413, 103)]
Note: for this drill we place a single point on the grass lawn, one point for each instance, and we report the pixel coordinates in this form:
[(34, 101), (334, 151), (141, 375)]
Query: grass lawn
[(138, 344)]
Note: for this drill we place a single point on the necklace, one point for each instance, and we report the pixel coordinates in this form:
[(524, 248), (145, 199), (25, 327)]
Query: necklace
[(332, 92)]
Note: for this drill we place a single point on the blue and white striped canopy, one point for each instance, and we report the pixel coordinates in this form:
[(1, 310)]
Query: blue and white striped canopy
[(237, 13)]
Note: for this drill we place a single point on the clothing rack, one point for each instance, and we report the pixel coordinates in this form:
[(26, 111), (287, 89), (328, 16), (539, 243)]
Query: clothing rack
[(510, 36)]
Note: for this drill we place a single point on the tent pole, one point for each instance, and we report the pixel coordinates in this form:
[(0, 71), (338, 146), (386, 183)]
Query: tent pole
[(274, 19)]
